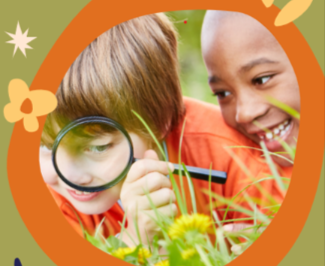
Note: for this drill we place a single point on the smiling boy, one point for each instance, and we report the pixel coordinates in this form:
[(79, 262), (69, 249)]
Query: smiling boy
[(246, 64)]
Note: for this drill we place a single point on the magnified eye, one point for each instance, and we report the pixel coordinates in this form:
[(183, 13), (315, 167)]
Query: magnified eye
[(262, 80), (221, 94), (99, 148)]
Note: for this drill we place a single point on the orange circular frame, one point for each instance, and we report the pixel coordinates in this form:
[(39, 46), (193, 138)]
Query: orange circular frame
[(38, 210)]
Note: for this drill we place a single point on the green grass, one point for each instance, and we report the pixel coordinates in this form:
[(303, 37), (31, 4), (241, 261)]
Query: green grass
[(206, 252)]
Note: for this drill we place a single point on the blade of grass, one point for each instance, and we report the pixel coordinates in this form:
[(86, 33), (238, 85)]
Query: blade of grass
[(78, 218), (123, 225), (151, 133), (179, 162), (220, 239), (129, 236), (270, 207), (282, 142), (210, 199), (255, 214), (240, 208), (277, 154), (272, 166), (135, 221), (284, 107), (237, 220), (177, 193), (98, 227), (158, 216), (203, 256), (172, 179), (242, 190), (191, 187), (249, 175)]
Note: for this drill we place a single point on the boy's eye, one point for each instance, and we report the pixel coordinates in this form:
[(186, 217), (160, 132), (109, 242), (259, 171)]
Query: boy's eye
[(99, 148), (221, 94), (262, 80)]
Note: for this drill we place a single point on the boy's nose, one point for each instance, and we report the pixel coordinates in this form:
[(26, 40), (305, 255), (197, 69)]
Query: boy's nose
[(78, 178), (250, 108), (76, 175), (73, 169)]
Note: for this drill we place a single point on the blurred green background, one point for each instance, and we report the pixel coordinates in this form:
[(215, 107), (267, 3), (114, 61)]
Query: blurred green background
[(194, 77)]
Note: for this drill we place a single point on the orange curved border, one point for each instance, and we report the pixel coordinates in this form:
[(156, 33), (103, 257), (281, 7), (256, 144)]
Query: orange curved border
[(38, 210)]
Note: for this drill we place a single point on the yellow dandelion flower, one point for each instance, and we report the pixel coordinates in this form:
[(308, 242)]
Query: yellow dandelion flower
[(121, 253), (188, 253), (143, 254), (195, 222), (162, 263)]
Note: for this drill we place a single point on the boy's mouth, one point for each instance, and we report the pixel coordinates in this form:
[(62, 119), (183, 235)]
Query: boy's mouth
[(273, 133), (82, 196)]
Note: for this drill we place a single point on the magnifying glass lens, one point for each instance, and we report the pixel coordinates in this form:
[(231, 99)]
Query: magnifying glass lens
[(93, 155)]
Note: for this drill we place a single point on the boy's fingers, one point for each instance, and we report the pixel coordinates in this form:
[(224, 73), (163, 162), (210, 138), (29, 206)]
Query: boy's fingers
[(149, 183), (169, 210), (237, 249), (146, 166), (151, 154), (237, 227), (159, 198)]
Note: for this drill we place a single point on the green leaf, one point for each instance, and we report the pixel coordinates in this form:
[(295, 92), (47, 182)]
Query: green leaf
[(96, 242), (115, 243)]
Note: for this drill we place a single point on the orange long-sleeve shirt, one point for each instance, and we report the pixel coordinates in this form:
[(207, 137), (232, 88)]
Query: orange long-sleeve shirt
[(205, 137)]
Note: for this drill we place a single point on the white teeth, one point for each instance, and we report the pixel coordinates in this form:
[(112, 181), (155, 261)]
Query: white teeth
[(81, 192), (279, 131), (269, 135), (276, 131)]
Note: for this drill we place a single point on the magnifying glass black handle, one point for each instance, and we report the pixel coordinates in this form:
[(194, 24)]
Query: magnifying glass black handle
[(201, 173)]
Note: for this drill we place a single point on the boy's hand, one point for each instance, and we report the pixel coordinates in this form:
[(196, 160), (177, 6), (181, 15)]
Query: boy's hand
[(237, 249), (148, 174)]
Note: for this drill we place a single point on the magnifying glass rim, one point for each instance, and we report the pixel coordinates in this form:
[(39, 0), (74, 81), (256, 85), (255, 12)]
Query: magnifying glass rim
[(91, 120)]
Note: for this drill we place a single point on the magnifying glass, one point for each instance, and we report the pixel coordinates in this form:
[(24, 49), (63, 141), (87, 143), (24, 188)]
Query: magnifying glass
[(95, 153)]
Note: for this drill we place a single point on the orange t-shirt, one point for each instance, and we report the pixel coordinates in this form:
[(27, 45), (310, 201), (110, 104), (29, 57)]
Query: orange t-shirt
[(205, 137)]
